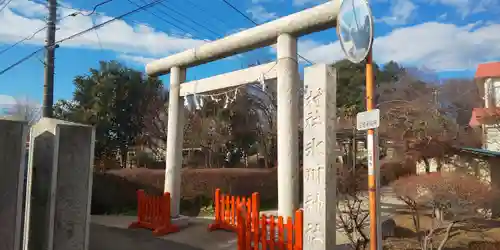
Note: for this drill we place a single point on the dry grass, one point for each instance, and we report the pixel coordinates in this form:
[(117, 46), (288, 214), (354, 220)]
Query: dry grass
[(470, 235)]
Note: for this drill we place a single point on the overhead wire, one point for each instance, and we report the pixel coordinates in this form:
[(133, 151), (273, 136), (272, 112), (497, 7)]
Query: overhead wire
[(161, 18), (22, 40), (79, 34), (78, 12), (256, 24), (5, 5), (202, 10), (189, 19)]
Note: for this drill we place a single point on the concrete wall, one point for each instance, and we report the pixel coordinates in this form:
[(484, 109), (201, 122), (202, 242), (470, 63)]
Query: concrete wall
[(60, 186), (471, 166), (12, 165)]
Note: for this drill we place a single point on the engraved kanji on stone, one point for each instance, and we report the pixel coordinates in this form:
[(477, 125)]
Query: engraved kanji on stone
[(312, 97), (314, 235), (312, 147), (314, 203), (313, 174), (312, 119)]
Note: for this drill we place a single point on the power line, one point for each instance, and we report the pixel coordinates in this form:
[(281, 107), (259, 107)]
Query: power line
[(22, 40), (5, 5), (160, 17), (79, 34), (190, 19), (79, 12), (241, 13), (251, 20), (203, 10)]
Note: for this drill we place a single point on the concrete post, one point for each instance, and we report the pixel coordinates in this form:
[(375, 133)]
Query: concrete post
[(60, 186), (13, 135), (320, 152), (288, 123), (175, 138)]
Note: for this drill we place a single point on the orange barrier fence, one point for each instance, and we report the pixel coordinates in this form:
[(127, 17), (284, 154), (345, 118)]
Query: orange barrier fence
[(271, 232), (226, 209), (153, 212)]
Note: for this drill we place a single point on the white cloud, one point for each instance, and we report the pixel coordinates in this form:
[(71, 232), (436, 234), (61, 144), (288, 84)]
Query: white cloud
[(260, 14), (137, 59), (22, 17), (7, 100), (401, 12), (437, 46)]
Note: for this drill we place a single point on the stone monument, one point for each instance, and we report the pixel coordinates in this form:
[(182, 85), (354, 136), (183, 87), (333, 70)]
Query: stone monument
[(60, 186), (320, 152), (13, 137)]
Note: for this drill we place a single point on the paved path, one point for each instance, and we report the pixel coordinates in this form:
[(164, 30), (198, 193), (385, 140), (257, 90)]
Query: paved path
[(112, 238)]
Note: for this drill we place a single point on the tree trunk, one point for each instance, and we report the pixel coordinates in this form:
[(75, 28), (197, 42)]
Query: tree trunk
[(427, 165)]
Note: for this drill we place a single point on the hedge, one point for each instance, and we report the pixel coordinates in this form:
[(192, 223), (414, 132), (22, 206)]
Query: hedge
[(114, 190)]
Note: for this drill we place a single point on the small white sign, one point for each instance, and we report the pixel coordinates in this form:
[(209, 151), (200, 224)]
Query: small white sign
[(368, 119)]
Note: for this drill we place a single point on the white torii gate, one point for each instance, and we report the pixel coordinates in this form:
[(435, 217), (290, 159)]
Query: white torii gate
[(284, 32)]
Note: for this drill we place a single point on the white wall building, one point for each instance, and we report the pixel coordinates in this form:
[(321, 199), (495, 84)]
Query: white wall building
[(488, 79)]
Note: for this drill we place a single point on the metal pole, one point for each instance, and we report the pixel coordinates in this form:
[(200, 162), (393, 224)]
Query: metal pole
[(373, 162), (48, 86)]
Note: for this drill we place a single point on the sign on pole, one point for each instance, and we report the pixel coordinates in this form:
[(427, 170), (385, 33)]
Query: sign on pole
[(368, 119)]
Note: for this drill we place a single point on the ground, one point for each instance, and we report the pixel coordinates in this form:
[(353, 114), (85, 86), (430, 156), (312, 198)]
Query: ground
[(111, 233), (474, 231)]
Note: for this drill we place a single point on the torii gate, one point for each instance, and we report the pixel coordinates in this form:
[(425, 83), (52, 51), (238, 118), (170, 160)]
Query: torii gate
[(284, 32)]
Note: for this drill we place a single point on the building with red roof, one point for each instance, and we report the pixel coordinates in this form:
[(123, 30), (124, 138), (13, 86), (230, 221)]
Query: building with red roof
[(487, 78)]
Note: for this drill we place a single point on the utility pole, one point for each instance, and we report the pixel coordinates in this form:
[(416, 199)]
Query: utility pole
[(48, 85)]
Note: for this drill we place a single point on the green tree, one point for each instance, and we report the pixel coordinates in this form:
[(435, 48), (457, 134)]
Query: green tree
[(351, 82), (113, 98)]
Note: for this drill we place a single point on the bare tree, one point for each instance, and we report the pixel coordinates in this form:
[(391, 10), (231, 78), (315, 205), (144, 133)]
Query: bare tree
[(427, 118), (352, 213), (26, 109), (451, 198)]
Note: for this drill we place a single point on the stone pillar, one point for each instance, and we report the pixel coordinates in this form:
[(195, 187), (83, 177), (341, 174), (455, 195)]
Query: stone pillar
[(13, 135), (288, 123), (60, 169), (175, 134), (320, 152)]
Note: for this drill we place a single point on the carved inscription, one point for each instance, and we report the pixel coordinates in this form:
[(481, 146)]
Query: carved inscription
[(313, 147), (312, 119), (314, 174), (314, 234), (314, 203), (312, 97), (319, 159)]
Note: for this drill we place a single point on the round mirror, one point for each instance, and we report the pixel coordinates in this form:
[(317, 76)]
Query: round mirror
[(355, 29)]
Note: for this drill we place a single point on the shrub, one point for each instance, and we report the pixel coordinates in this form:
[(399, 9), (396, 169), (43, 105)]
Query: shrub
[(117, 188), (459, 196)]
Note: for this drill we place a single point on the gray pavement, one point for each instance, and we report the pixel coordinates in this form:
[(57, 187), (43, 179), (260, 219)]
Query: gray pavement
[(109, 232)]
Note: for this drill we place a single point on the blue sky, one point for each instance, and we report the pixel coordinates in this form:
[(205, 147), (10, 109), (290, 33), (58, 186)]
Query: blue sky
[(449, 37)]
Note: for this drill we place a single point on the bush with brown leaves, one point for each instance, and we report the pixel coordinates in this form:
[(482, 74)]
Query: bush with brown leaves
[(453, 196)]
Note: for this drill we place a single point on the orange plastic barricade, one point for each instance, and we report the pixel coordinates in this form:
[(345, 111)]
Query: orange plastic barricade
[(226, 209), (271, 233), (153, 212)]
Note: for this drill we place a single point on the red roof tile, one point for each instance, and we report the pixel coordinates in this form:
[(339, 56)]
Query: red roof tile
[(487, 70), (484, 116)]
